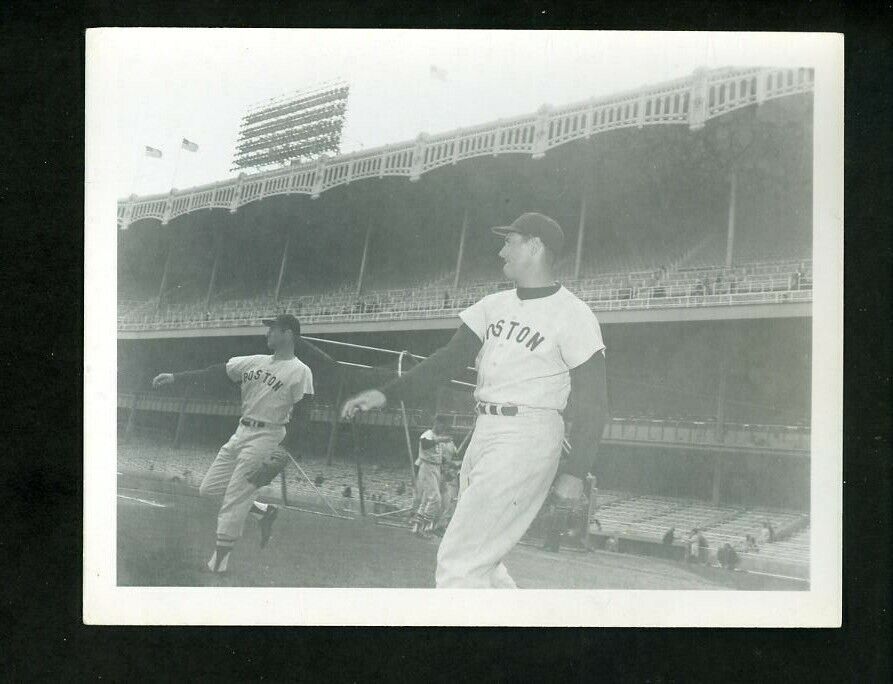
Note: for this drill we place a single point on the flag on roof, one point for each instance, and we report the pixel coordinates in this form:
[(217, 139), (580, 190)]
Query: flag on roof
[(152, 152), (191, 146)]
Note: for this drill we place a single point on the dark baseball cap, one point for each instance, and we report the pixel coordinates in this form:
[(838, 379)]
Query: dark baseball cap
[(536, 225), (286, 322)]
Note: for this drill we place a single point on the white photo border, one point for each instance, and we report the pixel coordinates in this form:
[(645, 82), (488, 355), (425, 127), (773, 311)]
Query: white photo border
[(820, 606)]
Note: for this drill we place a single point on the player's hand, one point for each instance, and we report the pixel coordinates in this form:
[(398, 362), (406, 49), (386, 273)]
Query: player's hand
[(162, 379), (362, 402), (568, 487)]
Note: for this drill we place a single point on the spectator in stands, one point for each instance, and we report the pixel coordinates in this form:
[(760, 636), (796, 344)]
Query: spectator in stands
[(727, 556), (691, 546), (611, 544), (400, 489), (347, 492), (669, 536), (767, 534), (318, 480), (750, 544), (702, 547), (696, 547), (582, 524)]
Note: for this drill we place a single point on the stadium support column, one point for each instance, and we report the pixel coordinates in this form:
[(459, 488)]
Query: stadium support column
[(181, 418), (333, 426), (282, 267), (582, 230), (134, 407), (721, 401), (717, 478), (461, 250), (363, 261), (131, 417), (720, 425), (218, 246), (730, 239), (164, 274)]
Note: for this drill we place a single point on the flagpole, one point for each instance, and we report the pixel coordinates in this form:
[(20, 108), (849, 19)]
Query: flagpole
[(176, 165), (136, 173)]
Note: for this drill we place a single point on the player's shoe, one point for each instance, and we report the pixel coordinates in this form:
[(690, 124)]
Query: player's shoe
[(266, 524), (218, 563)]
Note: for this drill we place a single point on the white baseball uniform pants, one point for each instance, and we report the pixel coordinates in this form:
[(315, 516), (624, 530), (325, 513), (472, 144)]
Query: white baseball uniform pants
[(508, 468), (226, 477), (428, 483)]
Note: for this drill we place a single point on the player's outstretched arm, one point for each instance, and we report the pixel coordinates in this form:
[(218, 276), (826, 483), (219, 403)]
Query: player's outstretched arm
[(211, 372), (458, 353)]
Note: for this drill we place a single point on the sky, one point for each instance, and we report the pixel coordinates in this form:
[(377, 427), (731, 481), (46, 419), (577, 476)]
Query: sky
[(171, 84)]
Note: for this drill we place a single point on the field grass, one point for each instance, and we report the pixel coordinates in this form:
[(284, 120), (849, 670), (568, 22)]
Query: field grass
[(166, 534)]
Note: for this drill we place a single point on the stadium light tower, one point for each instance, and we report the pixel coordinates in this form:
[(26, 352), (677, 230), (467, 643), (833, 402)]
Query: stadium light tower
[(293, 128)]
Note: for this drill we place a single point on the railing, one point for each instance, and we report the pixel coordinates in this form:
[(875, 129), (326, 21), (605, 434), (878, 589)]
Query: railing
[(254, 317), (685, 433), (641, 289), (693, 100)]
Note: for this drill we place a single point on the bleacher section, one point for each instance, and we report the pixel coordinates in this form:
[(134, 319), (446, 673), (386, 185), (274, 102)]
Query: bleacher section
[(651, 517), (763, 282)]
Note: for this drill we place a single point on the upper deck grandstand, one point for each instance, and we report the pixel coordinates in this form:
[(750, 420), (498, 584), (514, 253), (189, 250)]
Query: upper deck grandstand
[(691, 195)]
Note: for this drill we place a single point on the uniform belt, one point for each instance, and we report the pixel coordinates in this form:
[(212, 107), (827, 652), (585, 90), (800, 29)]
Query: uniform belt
[(485, 408), (247, 422)]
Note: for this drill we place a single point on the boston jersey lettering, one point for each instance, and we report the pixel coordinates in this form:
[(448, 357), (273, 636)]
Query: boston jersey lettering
[(270, 388), (529, 346), (264, 376), (501, 326)]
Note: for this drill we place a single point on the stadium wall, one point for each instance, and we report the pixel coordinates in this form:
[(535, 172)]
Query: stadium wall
[(660, 370), (667, 370)]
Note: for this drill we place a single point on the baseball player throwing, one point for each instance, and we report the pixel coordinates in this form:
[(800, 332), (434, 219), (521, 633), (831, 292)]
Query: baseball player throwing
[(537, 349), (271, 385)]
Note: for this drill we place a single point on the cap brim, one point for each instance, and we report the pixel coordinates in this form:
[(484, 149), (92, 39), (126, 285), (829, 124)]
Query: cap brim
[(502, 231)]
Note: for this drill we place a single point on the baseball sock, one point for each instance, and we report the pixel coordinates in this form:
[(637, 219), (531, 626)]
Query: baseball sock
[(219, 560)]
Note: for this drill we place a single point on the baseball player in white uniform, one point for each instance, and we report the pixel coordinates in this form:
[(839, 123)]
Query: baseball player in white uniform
[(271, 385), (538, 350), (435, 448)]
